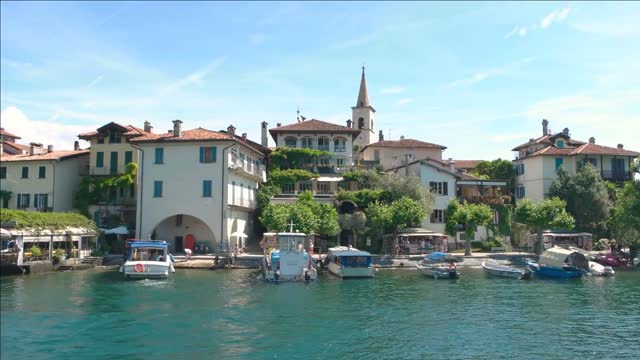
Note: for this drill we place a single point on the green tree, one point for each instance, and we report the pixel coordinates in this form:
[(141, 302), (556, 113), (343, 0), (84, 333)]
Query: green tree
[(356, 223), (548, 213), (406, 212), (586, 196), (308, 216), (470, 216), (497, 169), (379, 218), (397, 186), (625, 216)]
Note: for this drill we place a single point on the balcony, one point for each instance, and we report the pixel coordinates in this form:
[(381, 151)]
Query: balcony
[(242, 167), (369, 164), (486, 199), (617, 175), (107, 170), (243, 203)]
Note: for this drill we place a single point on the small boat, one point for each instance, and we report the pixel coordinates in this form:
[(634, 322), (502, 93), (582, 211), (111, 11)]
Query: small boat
[(600, 270), (349, 262), (147, 260), (289, 261), (561, 263), (613, 260), (506, 271), (439, 265)]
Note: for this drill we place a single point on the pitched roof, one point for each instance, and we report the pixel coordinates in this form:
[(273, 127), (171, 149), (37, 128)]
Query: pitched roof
[(186, 135), (552, 150), (593, 149), (466, 164), (314, 125), (3, 132), (363, 94), (548, 139), (15, 145), (405, 143), (54, 155), (128, 130)]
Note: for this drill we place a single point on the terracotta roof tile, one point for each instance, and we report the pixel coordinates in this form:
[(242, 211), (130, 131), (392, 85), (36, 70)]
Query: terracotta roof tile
[(186, 135), (405, 143), (129, 131), (315, 126), (54, 155), (552, 150), (6, 133), (16, 145), (466, 164), (593, 149), (548, 139)]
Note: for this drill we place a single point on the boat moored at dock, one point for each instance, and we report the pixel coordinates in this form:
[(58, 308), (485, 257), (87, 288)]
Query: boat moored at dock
[(147, 260), (348, 262), (560, 263), (506, 271), (289, 261)]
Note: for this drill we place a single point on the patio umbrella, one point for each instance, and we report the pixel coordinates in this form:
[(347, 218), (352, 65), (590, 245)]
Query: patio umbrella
[(5, 234)]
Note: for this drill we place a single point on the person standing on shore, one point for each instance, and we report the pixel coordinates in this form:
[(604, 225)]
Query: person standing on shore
[(187, 253)]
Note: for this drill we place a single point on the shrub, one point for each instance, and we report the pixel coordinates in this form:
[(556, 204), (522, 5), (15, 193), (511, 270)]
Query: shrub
[(58, 255), (35, 251)]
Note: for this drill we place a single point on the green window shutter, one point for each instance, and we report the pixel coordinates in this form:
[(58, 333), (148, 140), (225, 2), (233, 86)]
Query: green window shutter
[(214, 151), (201, 154), (128, 157), (42, 172), (99, 159)]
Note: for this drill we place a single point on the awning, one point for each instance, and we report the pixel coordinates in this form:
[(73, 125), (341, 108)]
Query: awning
[(5, 234), (329, 179), (120, 230), (556, 257)]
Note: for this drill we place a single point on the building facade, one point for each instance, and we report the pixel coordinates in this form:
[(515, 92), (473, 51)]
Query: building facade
[(538, 160), (9, 146), (387, 154), (197, 187), (42, 180)]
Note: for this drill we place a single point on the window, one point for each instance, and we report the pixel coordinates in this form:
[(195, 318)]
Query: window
[(339, 145), (157, 189), (361, 123), (305, 186), (99, 159), (520, 192), (23, 201), (324, 187), (115, 137), (206, 188), (437, 217), (290, 142), (307, 143), (591, 161), (495, 216), (113, 163), (3, 172), (208, 154), (233, 193), (25, 172), (560, 143), (179, 220), (439, 188), (288, 188), (241, 194), (41, 201), (376, 155), (42, 172), (159, 156), (519, 169), (340, 162), (128, 157), (325, 162), (558, 163), (100, 140), (323, 144)]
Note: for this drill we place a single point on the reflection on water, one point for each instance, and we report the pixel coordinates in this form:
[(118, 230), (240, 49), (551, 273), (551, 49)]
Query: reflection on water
[(398, 314)]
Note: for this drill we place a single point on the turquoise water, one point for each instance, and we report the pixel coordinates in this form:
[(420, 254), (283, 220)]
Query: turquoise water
[(398, 315)]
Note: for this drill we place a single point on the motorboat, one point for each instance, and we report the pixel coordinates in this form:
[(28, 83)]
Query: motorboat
[(506, 271), (611, 259), (558, 262), (147, 259), (600, 270), (349, 262), (289, 261), (439, 265)]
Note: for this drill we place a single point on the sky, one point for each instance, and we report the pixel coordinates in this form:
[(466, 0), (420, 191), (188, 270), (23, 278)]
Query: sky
[(475, 77)]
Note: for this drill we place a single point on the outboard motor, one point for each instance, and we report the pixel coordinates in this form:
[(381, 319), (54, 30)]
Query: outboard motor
[(276, 275), (306, 276), (526, 275)]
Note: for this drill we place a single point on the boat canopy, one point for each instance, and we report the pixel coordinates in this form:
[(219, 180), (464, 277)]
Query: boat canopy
[(149, 244), (436, 255), (559, 257), (346, 251)]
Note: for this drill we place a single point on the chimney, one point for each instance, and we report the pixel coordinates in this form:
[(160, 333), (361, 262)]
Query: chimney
[(349, 122), (620, 146), (147, 126), (380, 136), (451, 164), (592, 140), (177, 124), (402, 137), (231, 130), (279, 124), (565, 131), (265, 139), (49, 148), (76, 145), (532, 140), (545, 128), (32, 148), (244, 137)]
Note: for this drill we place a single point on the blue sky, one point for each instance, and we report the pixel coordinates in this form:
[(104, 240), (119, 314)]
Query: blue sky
[(475, 77)]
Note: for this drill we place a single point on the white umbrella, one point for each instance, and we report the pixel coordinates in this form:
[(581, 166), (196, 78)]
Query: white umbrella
[(5, 234), (120, 230), (240, 235)]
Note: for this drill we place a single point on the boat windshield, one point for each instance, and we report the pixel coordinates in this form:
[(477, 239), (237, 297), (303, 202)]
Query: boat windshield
[(147, 254), (292, 242), (355, 261)]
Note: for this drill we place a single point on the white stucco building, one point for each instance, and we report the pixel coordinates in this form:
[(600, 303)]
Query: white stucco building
[(538, 160), (42, 180), (197, 187), (387, 154)]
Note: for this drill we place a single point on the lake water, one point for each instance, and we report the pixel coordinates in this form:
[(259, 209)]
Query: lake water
[(398, 315)]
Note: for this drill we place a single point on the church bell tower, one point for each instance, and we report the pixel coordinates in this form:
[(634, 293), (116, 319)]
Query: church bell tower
[(363, 115)]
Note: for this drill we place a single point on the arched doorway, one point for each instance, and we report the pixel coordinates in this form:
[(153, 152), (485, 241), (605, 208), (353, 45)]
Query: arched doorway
[(185, 231)]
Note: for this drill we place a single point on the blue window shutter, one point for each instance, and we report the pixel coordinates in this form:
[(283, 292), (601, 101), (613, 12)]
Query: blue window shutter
[(201, 154), (215, 151)]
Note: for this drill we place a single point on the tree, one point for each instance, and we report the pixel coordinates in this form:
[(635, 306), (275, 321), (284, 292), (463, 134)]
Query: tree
[(586, 196), (406, 212), (355, 223), (309, 216), (496, 169), (544, 214), (378, 218), (470, 216), (625, 216), (397, 186)]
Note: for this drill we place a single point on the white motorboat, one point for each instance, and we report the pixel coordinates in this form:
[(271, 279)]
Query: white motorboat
[(439, 265), (348, 262), (506, 271), (147, 260), (290, 261), (600, 270)]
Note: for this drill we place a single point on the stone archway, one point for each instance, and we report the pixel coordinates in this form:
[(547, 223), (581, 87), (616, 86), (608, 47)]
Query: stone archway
[(176, 228)]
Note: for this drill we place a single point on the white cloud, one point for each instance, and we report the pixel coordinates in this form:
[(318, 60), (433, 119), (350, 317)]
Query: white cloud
[(517, 30), (61, 136), (95, 81), (393, 90), (405, 101), (196, 76), (483, 75), (555, 16)]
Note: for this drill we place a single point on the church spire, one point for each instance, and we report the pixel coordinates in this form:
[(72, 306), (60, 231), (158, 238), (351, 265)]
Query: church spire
[(363, 95)]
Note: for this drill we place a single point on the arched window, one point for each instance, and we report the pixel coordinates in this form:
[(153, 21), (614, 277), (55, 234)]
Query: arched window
[(339, 144), (290, 142), (323, 143), (307, 143), (361, 123)]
